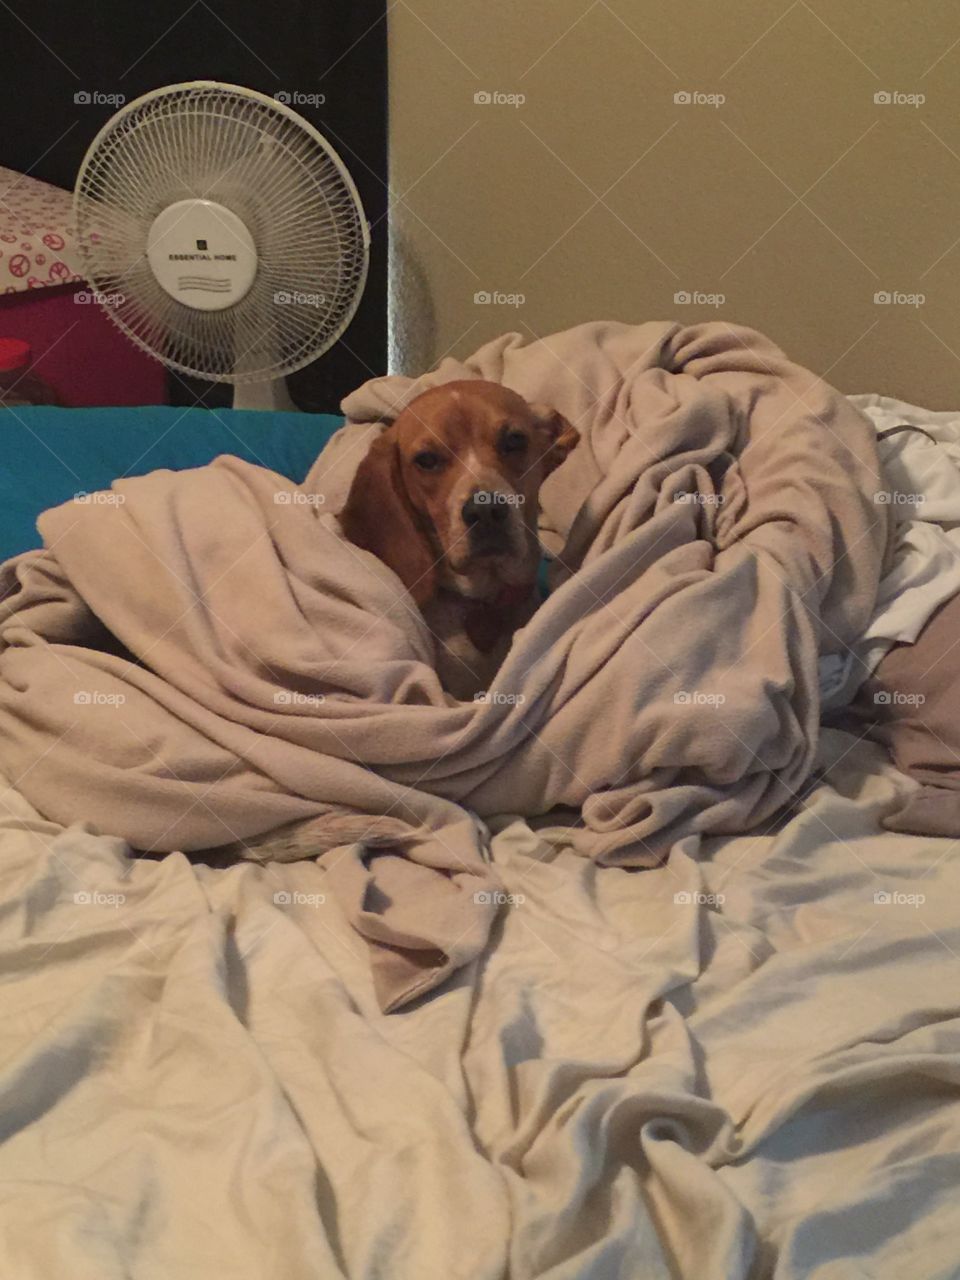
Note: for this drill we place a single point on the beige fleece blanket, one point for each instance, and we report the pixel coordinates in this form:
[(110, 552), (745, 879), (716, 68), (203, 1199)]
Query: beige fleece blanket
[(200, 656)]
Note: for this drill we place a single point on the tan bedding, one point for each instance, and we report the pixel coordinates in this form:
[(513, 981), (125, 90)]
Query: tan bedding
[(197, 1080), (191, 661)]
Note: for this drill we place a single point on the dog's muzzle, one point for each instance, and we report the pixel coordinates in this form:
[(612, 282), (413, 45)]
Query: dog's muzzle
[(487, 518)]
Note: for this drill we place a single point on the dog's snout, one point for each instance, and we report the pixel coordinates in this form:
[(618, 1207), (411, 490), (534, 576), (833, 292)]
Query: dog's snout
[(485, 509)]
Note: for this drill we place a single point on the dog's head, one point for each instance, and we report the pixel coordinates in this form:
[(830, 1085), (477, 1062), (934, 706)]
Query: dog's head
[(447, 496)]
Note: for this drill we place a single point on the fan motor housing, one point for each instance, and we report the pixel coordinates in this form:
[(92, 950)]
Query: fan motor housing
[(202, 254)]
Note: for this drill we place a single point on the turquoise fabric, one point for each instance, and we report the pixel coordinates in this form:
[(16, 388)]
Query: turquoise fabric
[(543, 583), (47, 455)]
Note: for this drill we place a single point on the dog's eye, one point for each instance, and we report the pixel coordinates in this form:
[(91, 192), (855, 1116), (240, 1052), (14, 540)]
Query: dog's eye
[(513, 442), (427, 460)]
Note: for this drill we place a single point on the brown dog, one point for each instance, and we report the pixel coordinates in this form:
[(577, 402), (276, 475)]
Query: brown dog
[(447, 497)]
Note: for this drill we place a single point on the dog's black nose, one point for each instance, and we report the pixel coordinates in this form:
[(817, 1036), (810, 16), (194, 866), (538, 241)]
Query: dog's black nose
[(484, 509)]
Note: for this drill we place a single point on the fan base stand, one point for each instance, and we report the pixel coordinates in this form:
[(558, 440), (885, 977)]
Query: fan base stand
[(270, 396)]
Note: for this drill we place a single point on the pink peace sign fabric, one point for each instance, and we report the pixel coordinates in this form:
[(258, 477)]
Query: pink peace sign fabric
[(38, 242)]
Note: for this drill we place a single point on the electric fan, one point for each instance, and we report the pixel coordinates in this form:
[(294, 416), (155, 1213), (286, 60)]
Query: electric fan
[(223, 234)]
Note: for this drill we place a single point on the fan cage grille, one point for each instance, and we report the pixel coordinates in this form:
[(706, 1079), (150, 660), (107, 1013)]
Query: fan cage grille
[(279, 175)]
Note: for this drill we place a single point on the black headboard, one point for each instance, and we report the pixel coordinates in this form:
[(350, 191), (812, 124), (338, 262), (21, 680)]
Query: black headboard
[(330, 56)]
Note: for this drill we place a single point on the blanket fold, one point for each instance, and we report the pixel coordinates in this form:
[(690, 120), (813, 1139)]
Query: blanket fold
[(197, 658)]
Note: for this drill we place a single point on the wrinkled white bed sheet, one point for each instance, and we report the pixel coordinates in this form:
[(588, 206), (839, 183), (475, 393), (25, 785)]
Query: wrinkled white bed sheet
[(745, 1063), (922, 472)]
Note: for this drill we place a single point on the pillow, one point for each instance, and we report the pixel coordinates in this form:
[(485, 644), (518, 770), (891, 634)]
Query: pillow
[(48, 456), (37, 240)]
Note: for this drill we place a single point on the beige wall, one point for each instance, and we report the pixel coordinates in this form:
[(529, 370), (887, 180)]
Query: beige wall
[(798, 199)]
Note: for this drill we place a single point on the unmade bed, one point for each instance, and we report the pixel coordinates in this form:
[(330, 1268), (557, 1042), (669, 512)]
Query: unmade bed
[(740, 1062), (743, 1063)]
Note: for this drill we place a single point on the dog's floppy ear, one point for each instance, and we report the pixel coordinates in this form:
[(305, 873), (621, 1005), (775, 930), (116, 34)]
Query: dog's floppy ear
[(559, 437), (379, 517)]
